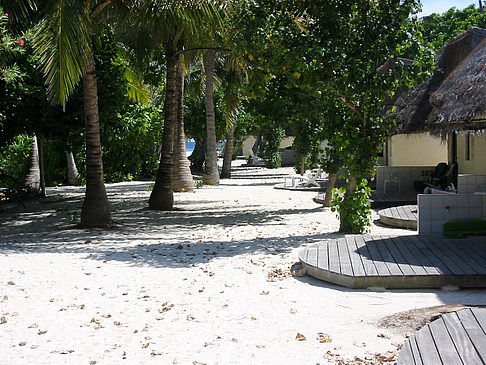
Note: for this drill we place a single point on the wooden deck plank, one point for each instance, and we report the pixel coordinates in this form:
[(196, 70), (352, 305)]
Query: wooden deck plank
[(431, 263), (393, 268), (323, 256), (356, 262), (426, 346), (345, 261), (444, 344), (368, 264), (463, 344), (461, 256), (407, 269), (473, 329), (334, 265), (406, 356), (445, 257), (476, 249), (375, 255), (415, 351), (312, 253), (404, 246), (417, 257)]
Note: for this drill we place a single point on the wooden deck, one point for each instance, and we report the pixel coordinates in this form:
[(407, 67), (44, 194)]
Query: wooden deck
[(403, 216), (454, 338), (382, 200), (398, 262)]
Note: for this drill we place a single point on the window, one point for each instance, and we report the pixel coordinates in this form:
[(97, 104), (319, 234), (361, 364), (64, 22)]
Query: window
[(468, 147)]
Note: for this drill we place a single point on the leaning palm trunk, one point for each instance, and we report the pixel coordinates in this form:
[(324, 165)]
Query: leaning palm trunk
[(162, 196), (181, 174), (212, 174), (40, 146), (228, 154), (73, 174), (96, 209), (32, 180), (330, 186)]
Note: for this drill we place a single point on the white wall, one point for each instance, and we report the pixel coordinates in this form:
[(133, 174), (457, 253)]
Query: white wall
[(416, 149)]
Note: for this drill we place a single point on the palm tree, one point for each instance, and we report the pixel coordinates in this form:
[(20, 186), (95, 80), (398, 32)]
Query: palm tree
[(63, 40), (181, 175), (212, 174), (172, 23)]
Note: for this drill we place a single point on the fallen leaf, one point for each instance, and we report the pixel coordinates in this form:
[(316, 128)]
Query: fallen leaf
[(95, 320), (324, 338), (33, 325), (383, 335), (253, 318), (10, 283), (300, 337), (4, 298), (82, 306), (116, 323), (106, 315), (198, 363), (359, 344), (3, 320), (33, 347), (264, 292), (206, 344), (234, 340), (155, 353), (64, 352), (41, 332), (293, 310), (23, 343), (144, 346), (190, 318), (88, 241)]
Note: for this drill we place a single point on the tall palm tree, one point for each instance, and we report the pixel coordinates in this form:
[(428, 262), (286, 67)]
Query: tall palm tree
[(173, 23), (181, 175), (212, 173), (63, 40)]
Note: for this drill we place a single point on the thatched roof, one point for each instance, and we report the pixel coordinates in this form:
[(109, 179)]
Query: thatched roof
[(413, 108), (460, 102)]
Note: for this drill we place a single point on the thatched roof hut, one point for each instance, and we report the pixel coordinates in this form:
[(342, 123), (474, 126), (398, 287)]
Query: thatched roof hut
[(414, 108), (460, 102)]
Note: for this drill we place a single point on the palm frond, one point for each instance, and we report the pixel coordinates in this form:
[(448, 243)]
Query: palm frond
[(62, 40)]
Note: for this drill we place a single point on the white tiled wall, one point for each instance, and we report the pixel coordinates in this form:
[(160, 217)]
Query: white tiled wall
[(468, 184), (405, 174), (437, 209)]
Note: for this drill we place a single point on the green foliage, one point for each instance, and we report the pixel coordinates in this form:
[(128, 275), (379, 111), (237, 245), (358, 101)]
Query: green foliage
[(438, 29), (9, 47), (129, 148), (198, 183), (272, 138), (13, 158), (353, 209)]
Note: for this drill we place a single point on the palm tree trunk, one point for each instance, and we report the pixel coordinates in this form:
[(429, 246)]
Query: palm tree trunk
[(181, 174), (162, 196), (212, 174), (73, 173), (32, 179), (41, 167), (96, 208), (330, 185), (228, 154)]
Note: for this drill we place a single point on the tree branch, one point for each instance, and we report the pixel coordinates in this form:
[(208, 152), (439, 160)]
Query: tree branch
[(203, 48)]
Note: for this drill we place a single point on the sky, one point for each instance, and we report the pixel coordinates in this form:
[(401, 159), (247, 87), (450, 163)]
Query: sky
[(441, 6)]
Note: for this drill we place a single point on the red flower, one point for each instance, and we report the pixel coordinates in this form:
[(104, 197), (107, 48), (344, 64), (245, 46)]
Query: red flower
[(6, 14), (21, 42)]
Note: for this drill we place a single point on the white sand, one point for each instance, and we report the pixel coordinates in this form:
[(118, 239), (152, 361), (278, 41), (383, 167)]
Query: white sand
[(189, 286)]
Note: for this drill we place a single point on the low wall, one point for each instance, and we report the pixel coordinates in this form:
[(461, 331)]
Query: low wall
[(436, 209), (468, 184), (405, 174)]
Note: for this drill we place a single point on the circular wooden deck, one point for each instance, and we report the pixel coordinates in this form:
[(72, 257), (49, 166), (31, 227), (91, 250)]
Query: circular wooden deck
[(413, 261), (404, 216), (453, 338)]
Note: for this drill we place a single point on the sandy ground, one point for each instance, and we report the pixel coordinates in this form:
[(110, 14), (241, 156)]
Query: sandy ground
[(208, 283)]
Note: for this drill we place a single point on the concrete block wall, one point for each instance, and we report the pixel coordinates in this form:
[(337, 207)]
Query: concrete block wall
[(405, 174), (436, 209), (468, 184)]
